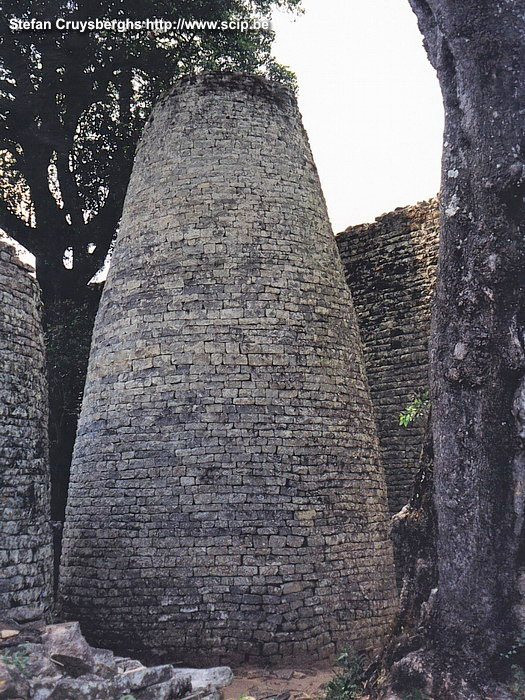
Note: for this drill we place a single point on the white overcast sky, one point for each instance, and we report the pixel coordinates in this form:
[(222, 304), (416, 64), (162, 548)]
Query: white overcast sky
[(370, 103)]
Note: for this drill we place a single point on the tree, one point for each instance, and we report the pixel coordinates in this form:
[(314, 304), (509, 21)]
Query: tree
[(477, 353), (72, 105)]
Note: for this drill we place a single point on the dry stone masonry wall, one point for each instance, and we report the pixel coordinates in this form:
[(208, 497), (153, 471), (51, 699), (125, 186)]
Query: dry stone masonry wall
[(25, 536), (390, 268), (226, 500)]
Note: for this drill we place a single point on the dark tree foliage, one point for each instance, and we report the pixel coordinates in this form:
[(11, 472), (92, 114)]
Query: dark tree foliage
[(72, 106)]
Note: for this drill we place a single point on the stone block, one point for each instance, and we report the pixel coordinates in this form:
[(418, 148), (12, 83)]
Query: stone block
[(264, 437)]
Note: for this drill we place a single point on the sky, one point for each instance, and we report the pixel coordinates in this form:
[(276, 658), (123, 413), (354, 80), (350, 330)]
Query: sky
[(370, 102)]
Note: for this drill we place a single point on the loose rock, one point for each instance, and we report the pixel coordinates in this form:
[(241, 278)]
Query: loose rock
[(206, 678), (64, 643), (59, 664)]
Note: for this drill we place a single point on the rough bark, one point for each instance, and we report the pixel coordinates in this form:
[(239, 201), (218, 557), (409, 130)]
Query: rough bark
[(477, 345), (413, 535)]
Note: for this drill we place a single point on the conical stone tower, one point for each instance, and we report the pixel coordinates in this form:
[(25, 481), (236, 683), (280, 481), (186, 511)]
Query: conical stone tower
[(226, 501)]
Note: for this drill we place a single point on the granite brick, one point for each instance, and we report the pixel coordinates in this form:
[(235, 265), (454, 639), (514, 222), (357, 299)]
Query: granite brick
[(226, 353), (25, 533), (390, 267)]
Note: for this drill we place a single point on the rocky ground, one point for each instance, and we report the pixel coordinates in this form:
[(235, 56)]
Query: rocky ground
[(55, 662)]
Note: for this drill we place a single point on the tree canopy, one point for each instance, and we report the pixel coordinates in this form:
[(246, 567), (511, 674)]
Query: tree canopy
[(72, 106)]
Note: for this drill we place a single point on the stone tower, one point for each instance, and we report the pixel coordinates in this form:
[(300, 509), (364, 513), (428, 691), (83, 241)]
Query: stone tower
[(390, 267), (226, 501), (26, 556)]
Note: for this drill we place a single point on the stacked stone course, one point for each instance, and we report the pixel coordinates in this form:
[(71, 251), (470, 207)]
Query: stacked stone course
[(26, 557), (390, 267), (226, 501)]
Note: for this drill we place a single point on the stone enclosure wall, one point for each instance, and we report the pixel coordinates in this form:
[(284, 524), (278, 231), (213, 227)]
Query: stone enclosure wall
[(390, 267), (226, 501), (26, 557)]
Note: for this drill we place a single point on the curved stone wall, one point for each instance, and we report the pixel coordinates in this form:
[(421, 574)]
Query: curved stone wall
[(226, 501), (390, 267), (26, 556)]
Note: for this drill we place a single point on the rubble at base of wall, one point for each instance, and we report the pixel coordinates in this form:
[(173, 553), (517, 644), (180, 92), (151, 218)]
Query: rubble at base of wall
[(55, 662)]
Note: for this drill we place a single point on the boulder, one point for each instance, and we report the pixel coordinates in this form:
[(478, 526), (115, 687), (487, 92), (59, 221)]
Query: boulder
[(178, 687), (39, 665), (12, 685), (65, 644), (207, 678), (57, 663), (104, 663), (137, 679), (88, 687)]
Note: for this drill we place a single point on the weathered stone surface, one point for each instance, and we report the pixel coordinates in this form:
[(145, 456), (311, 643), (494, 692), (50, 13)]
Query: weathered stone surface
[(104, 663), (38, 664), (25, 537), (28, 672), (205, 678), (85, 687), (169, 690), (126, 664), (13, 634), (12, 685), (390, 267), (144, 677), (226, 500), (24, 614), (7, 633), (65, 644), (41, 689)]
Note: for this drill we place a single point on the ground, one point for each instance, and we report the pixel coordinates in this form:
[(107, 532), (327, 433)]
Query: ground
[(282, 684)]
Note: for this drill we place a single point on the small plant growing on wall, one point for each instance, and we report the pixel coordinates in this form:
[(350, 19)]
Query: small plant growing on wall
[(417, 408)]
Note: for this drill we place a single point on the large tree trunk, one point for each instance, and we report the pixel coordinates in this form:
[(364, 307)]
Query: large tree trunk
[(477, 344)]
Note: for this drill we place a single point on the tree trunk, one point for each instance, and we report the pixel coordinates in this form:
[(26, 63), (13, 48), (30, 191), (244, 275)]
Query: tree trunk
[(414, 539), (477, 353)]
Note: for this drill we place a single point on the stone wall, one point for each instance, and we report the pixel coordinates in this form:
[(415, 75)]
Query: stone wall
[(226, 500), (26, 557), (390, 267)]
